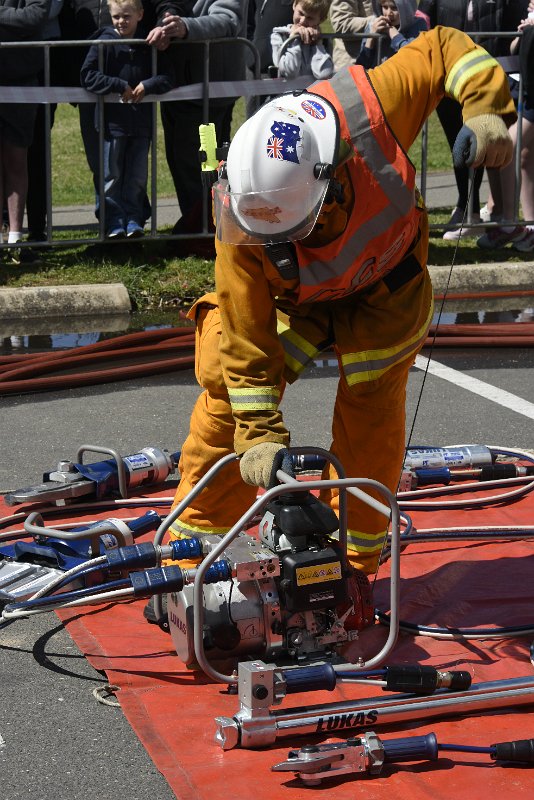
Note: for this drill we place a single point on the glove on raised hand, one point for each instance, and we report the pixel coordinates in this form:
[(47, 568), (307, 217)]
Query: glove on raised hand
[(483, 139), (256, 464)]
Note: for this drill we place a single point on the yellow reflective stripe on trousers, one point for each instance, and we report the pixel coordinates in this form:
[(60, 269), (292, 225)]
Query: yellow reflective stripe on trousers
[(298, 351), (365, 542), (465, 68), (369, 365), (180, 530), (258, 398)]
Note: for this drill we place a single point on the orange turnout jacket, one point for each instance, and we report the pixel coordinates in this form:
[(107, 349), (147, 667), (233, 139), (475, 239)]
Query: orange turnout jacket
[(363, 288)]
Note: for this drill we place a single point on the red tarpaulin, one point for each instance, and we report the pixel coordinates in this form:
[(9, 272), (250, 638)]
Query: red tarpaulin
[(172, 708)]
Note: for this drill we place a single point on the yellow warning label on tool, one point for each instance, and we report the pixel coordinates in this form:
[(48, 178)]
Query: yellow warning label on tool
[(319, 573)]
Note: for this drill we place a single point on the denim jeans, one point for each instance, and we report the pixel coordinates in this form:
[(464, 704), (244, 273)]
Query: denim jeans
[(125, 181), (90, 143)]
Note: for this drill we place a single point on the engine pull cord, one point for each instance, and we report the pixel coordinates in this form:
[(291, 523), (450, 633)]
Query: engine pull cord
[(440, 314)]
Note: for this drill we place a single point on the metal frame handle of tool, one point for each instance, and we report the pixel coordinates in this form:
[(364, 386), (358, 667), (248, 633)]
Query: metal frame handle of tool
[(107, 451), (34, 525), (390, 511)]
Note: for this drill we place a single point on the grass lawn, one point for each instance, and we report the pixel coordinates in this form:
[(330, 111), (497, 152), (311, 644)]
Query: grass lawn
[(156, 281)]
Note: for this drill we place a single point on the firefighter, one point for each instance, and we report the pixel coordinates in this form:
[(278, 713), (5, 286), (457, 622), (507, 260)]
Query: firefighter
[(322, 242)]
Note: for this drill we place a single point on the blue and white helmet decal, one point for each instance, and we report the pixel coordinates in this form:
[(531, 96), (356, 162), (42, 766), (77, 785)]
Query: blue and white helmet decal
[(283, 141), (314, 109)]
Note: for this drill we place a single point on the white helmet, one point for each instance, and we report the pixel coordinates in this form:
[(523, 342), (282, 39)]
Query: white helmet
[(279, 167)]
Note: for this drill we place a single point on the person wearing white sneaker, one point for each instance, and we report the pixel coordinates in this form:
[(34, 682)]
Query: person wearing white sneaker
[(466, 229), (469, 16), (20, 21), (502, 182)]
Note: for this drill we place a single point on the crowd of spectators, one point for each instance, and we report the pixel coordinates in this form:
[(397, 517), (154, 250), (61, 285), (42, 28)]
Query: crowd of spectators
[(289, 37)]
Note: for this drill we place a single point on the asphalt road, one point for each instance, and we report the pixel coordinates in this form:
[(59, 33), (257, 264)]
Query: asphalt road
[(57, 741)]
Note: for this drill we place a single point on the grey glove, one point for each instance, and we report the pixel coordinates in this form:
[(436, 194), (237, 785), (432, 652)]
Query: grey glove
[(483, 139), (256, 464)]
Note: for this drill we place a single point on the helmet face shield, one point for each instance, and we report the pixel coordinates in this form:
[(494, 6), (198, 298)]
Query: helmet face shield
[(278, 171), (264, 217)]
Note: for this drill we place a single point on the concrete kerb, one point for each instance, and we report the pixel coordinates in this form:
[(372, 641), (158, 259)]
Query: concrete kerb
[(57, 301), (112, 298), (481, 278)]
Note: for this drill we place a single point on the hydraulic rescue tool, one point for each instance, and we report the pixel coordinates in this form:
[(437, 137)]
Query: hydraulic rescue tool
[(429, 466), (257, 725), (367, 754), (261, 685), (72, 480), (292, 597), (26, 567), (425, 466)]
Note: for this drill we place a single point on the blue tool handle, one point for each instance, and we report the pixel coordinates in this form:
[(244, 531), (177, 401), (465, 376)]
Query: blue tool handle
[(412, 748), (427, 477), (310, 679), (148, 522)]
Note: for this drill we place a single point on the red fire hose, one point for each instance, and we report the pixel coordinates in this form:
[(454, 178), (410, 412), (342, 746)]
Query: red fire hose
[(147, 353)]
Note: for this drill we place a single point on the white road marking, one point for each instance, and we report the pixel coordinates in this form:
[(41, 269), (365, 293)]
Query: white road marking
[(486, 390)]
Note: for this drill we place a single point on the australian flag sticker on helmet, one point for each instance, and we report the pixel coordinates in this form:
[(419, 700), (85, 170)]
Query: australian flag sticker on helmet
[(282, 145), (314, 109)]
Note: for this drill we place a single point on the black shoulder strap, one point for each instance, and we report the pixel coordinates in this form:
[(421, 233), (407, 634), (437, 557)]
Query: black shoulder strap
[(283, 256)]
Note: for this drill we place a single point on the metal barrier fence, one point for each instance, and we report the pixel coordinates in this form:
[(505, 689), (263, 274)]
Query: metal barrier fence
[(258, 86)]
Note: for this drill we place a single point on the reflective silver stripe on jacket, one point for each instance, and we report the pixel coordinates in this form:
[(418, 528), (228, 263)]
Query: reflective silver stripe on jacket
[(400, 197), (465, 68)]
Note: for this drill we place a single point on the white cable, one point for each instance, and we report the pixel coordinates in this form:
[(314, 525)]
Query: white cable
[(99, 504), (471, 529), (103, 693), (44, 590), (456, 488), (478, 501), (117, 594)]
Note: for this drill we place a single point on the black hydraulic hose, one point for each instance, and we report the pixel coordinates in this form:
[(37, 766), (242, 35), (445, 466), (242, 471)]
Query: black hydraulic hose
[(75, 594), (457, 633)]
